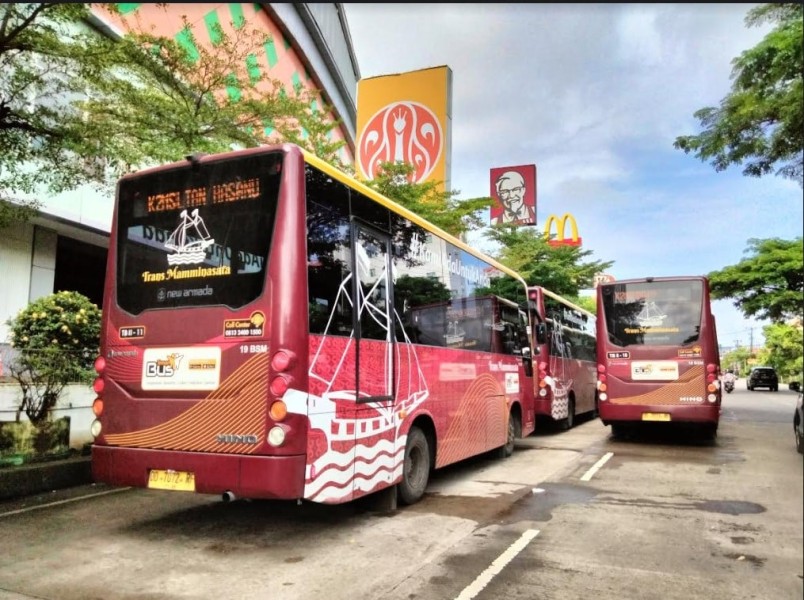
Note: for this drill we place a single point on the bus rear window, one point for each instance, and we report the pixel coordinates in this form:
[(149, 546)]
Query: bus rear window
[(196, 236), (658, 313)]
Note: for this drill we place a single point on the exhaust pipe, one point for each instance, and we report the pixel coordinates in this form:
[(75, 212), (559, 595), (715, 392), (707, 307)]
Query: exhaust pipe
[(228, 496)]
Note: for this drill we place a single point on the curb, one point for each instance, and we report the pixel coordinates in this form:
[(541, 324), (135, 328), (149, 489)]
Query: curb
[(27, 480)]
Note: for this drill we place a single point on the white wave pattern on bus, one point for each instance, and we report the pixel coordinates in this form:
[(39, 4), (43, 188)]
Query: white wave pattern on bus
[(561, 383), (361, 454)]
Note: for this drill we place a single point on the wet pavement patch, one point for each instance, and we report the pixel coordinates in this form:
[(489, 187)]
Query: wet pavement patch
[(741, 540), (754, 560), (730, 507), (539, 505)]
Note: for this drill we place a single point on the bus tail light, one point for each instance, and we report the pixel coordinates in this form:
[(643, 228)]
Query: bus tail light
[(712, 388), (601, 368), (98, 385), (601, 387), (100, 365), (283, 360), (711, 368), (279, 385), (97, 406), (95, 428), (278, 411)]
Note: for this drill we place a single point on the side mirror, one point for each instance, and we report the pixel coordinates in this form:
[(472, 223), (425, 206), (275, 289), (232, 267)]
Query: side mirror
[(541, 333)]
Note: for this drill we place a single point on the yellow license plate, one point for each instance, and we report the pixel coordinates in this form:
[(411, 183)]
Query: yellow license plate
[(655, 416), (181, 481)]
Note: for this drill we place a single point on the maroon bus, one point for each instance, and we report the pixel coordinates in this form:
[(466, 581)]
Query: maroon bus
[(657, 353), (265, 335), (565, 358)]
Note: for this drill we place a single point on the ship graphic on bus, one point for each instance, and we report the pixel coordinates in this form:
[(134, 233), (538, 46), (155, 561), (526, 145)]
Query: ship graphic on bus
[(189, 241)]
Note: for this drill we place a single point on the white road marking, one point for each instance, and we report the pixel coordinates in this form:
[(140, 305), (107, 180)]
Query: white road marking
[(588, 475), (474, 588), (49, 504)]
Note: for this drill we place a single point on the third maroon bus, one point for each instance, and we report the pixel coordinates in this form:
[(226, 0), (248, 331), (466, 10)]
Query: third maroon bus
[(657, 353)]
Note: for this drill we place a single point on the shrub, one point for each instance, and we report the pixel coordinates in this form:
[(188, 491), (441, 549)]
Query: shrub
[(56, 340)]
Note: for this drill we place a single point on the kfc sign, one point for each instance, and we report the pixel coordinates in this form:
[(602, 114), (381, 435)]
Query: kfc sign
[(514, 192)]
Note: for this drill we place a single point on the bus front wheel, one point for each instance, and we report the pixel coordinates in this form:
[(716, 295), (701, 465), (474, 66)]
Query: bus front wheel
[(416, 470)]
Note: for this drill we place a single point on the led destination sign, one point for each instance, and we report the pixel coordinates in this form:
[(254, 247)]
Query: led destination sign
[(231, 191)]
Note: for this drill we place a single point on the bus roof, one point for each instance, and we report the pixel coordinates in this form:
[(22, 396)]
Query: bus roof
[(650, 279), (401, 210), (563, 300)]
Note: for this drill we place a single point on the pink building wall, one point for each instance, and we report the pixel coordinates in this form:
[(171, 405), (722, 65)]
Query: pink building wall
[(278, 59)]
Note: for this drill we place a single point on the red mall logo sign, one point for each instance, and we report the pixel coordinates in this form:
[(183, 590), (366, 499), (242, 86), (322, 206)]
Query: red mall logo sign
[(561, 224)]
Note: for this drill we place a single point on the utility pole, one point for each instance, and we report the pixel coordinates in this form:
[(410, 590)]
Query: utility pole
[(751, 332)]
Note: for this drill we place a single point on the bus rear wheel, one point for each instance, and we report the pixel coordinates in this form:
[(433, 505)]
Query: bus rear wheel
[(619, 430), (514, 431), (416, 469), (710, 431), (569, 422)]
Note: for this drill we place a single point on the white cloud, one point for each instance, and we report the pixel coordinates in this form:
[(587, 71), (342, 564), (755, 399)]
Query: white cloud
[(594, 95)]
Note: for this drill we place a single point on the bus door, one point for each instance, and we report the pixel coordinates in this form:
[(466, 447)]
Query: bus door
[(375, 423)]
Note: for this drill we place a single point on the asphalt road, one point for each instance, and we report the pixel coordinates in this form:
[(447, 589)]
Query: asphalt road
[(570, 515)]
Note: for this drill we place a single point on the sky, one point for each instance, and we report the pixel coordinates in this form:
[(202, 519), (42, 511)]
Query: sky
[(594, 95)]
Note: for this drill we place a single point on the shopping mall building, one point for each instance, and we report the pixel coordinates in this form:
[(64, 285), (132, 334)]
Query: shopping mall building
[(64, 247)]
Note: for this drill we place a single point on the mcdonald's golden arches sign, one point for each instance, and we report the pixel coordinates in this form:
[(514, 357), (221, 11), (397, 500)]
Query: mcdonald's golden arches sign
[(560, 236)]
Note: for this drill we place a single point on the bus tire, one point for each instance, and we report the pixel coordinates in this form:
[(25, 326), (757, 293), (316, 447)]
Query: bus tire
[(514, 431), (569, 422), (618, 430), (416, 468)]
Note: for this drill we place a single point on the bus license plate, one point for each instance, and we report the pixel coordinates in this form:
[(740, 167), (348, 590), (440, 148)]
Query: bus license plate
[(655, 416), (181, 481)]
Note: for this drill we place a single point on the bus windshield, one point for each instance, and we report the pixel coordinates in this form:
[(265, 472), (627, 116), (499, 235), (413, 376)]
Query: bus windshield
[(658, 313), (211, 223)]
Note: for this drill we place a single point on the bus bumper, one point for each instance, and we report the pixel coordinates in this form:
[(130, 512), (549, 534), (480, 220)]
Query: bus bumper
[(271, 477), (709, 413)]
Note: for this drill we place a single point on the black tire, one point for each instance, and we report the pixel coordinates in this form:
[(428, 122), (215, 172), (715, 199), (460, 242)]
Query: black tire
[(596, 409), (710, 431), (569, 422), (618, 430), (775, 388), (416, 468), (514, 431), (799, 441)]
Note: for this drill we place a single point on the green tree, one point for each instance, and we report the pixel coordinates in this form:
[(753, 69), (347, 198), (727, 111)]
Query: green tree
[(761, 121), (736, 359), (177, 96), (56, 340), (564, 270), (767, 284), (46, 61), (428, 200), (784, 350), (78, 107)]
